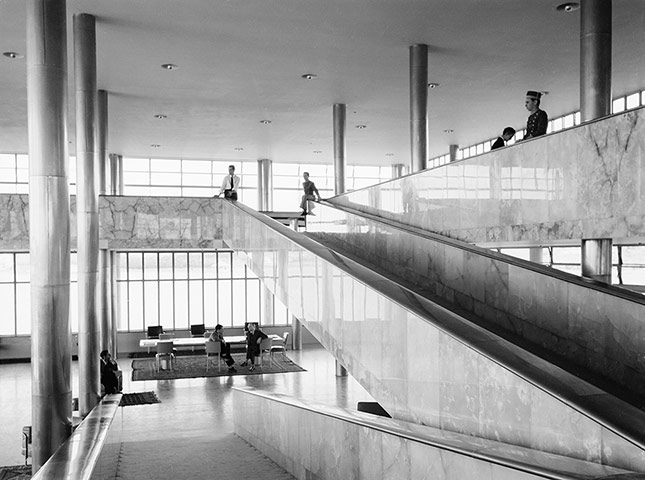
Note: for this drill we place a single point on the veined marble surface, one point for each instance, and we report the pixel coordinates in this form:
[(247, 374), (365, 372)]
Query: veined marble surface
[(14, 222), (128, 222), (594, 327), (585, 182), (426, 366), (323, 442), (160, 222)]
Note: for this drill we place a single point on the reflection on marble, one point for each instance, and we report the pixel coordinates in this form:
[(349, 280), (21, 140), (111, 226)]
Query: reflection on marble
[(160, 222), (585, 324), (323, 442), (426, 365), (584, 182), (128, 222)]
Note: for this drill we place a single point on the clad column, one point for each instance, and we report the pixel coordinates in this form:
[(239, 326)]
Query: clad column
[(398, 170), (49, 238), (595, 59), (105, 270), (453, 152), (87, 210), (340, 125), (265, 185), (116, 188), (596, 259), (418, 106), (116, 174)]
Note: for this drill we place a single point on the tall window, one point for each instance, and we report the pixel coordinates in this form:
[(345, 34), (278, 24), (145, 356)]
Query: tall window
[(186, 178), (183, 288), (16, 298)]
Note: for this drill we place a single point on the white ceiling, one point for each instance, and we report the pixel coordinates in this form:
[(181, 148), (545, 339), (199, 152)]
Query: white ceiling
[(241, 61)]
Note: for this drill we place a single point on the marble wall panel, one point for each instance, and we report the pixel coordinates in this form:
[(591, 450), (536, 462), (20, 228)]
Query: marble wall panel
[(127, 222), (588, 326), (14, 222), (586, 182), (424, 375), (330, 443), (160, 222)]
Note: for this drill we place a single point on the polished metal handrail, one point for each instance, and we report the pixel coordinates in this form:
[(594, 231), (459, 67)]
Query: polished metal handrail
[(77, 457)]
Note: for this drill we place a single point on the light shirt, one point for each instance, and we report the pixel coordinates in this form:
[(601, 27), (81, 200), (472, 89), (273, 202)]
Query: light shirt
[(226, 183)]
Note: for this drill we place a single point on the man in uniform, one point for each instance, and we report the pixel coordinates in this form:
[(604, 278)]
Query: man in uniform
[(538, 119)]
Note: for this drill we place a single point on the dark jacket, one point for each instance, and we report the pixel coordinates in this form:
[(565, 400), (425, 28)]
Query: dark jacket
[(252, 341)]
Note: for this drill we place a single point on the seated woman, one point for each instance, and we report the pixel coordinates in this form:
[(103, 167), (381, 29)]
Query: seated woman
[(217, 336), (253, 338), (109, 369)]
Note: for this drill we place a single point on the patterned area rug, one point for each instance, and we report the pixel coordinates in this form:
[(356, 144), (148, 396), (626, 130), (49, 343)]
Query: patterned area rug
[(195, 366), (18, 472), (141, 398)]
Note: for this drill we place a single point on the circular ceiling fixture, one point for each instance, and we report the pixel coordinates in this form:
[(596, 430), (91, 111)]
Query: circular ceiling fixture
[(265, 122), (389, 154), (568, 7), (238, 149), (155, 145), (433, 85), (13, 55), (309, 76), (169, 66), (361, 127), (161, 116), (448, 130), (317, 151)]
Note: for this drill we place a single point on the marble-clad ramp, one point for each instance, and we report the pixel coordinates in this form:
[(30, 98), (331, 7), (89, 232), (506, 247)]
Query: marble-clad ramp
[(593, 330), (424, 363), (582, 182)]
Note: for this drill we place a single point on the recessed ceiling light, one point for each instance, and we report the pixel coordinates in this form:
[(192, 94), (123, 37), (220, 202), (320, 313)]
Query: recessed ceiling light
[(169, 66), (155, 145), (448, 130), (317, 151), (238, 149), (568, 7), (389, 154), (433, 85), (309, 76), (265, 122), (161, 116), (361, 127), (13, 55)]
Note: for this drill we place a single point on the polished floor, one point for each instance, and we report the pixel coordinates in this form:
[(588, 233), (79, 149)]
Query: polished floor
[(189, 434)]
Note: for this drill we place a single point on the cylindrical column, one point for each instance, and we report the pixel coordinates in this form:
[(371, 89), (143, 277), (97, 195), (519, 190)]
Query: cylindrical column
[(453, 152), (104, 171), (398, 170), (340, 370), (49, 235), (536, 254), (116, 174), (265, 185), (340, 125), (297, 333), (595, 59), (596, 259), (87, 207), (115, 306), (105, 300), (101, 141), (418, 106)]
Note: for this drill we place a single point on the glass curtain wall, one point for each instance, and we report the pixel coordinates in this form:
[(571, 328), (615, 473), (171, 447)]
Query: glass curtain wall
[(182, 288)]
